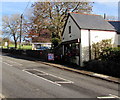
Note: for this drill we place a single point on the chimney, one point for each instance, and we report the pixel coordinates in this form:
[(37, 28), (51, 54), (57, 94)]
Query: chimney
[(104, 16)]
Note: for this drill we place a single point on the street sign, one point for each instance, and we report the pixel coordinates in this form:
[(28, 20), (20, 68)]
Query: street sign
[(50, 56)]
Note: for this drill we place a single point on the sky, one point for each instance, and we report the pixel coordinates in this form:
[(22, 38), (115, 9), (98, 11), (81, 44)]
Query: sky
[(110, 8), (9, 7)]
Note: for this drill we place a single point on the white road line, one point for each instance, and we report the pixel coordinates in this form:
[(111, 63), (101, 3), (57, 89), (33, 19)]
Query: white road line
[(7, 64), (114, 96), (107, 97), (42, 78), (62, 82), (1, 96), (110, 96), (14, 62), (54, 76), (10, 62)]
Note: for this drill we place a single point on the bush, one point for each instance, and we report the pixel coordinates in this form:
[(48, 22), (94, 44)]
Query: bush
[(103, 67), (99, 47), (112, 54), (55, 41)]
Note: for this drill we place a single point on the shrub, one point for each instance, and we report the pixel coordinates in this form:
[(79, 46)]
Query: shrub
[(99, 47), (111, 54), (55, 41), (103, 67)]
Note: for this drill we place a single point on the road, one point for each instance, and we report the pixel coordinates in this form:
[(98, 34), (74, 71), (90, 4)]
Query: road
[(22, 78)]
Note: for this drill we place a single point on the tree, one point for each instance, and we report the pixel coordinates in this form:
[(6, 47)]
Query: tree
[(52, 16), (11, 27)]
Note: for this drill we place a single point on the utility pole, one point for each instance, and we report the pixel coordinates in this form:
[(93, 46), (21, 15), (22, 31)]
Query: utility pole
[(20, 30)]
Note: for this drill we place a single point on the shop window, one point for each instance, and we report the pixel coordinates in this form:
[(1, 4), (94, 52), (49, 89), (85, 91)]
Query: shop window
[(72, 50), (118, 45)]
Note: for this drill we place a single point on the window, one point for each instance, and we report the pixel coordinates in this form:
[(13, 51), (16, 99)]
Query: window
[(69, 29), (118, 45)]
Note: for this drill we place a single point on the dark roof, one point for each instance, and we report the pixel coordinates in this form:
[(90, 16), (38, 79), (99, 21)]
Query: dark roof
[(116, 24), (94, 22)]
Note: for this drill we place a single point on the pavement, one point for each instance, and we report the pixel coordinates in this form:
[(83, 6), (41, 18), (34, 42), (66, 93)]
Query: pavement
[(88, 73)]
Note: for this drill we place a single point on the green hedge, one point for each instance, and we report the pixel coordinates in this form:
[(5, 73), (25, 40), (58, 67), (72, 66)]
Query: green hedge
[(111, 54), (108, 64)]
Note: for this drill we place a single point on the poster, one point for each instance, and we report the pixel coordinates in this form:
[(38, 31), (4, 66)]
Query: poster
[(50, 56)]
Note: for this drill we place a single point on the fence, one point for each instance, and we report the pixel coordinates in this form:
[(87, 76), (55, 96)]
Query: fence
[(41, 54)]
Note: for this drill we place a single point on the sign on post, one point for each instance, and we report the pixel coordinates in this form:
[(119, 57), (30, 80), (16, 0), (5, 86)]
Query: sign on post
[(50, 56)]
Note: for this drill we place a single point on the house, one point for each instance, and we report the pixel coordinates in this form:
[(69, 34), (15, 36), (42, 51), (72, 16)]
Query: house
[(116, 25), (80, 31)]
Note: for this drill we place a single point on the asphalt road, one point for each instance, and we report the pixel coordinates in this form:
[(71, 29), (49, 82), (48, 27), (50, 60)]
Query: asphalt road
[(23, 78)]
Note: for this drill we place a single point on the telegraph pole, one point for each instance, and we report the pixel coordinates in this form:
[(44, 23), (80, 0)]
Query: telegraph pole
[(21, 17)]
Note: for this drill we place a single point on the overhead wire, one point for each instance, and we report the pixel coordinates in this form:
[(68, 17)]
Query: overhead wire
[(26, 7)]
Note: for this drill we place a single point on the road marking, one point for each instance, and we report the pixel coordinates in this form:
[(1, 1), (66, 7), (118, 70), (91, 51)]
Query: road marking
[(44, 73), (99, 75), (110, 96), (62, 82), (6, 63), (1, 96), (11, 62), (14, 62), (42, 78), (114, 96), (54, 76)]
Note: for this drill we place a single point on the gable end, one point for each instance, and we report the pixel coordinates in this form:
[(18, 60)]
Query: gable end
[(67, 21)]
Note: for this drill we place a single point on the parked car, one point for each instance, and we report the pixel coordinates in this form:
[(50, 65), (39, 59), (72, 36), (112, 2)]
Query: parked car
[(42, 48)]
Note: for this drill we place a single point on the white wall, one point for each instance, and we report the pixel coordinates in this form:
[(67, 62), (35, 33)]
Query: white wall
[(84, 45), (96, 36), (118, 36), (75, 32)]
